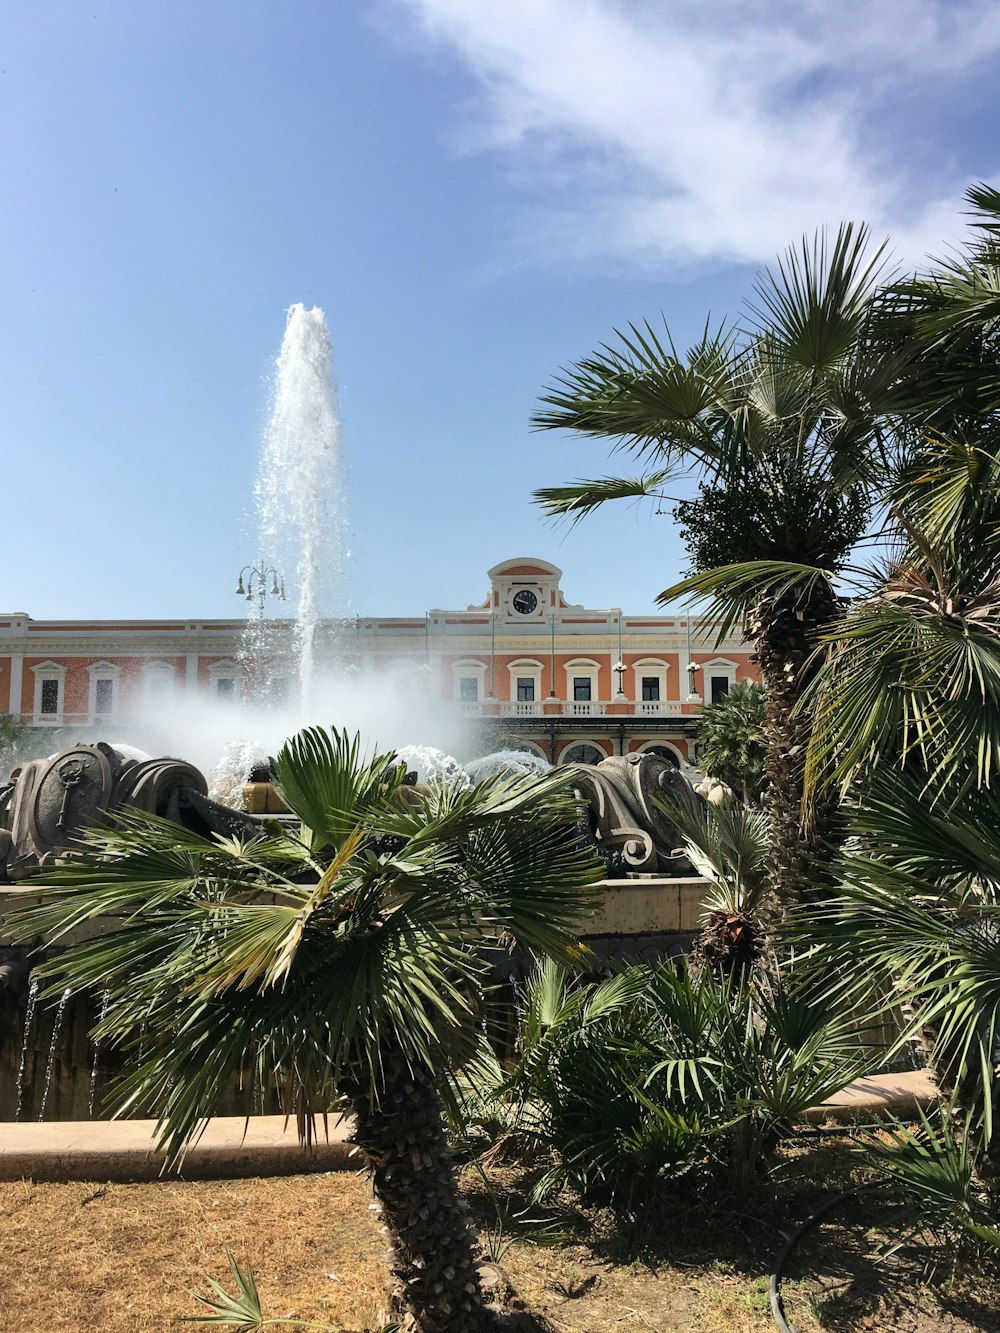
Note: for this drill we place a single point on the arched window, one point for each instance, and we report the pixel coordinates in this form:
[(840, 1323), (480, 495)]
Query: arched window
[(224, 678), (102, 698), (666, 752), (468, 682), (50, 679), (582, 753), (525, 687), (718, 678)]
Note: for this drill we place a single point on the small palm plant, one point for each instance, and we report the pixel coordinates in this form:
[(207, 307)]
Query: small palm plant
[(728, 846), (654, 1074), (343, 959)]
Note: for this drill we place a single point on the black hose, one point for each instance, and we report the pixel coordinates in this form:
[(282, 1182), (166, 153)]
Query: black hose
[(774, 1286)]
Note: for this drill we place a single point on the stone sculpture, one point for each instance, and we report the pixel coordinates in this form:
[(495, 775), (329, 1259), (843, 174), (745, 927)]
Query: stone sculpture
[(631, 831), (48, 803)]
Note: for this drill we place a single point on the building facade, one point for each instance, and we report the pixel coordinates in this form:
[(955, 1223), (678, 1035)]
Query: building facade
[(565, 681)]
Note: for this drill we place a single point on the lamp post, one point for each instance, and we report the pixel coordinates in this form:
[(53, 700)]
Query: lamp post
[(253, 586), (552, 656), (692, 667), (255, 578), (619, 666)]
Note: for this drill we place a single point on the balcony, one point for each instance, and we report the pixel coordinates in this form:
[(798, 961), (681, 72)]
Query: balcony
[(584, 708), (521, 708)]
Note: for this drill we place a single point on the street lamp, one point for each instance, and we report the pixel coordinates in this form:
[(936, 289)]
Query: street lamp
[(693, 668), (619, 666), (253, 584), (552, 656)]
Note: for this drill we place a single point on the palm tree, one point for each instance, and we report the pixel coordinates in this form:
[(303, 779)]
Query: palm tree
[(914, 919), (907, 723), (344, 958), (730, 740), (949, 314), (782, 423)]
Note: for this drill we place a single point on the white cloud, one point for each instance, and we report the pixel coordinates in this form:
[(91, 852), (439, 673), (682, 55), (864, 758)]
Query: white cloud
[(679, 130)]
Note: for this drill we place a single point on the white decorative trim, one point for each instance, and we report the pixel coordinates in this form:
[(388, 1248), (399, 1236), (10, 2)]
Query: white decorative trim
[(49, 671), (102, 671), (471, 668), (226, 669), (525, 667), (158, 679), (649, 667), (16, 684), (583, 668), (718, 666)]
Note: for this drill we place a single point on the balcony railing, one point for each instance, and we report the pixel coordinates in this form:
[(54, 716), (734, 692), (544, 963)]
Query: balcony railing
[(573, 707)]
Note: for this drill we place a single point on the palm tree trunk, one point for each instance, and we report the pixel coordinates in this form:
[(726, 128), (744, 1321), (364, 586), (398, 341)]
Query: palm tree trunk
[(785, 631), (402, 1136)]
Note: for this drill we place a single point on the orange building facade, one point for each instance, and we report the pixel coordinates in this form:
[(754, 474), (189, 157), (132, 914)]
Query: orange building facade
[(565, 681)]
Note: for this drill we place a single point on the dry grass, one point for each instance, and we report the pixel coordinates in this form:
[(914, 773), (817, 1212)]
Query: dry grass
[(120, 1258)]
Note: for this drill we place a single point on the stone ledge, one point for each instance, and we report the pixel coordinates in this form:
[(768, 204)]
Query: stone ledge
[(266, 1146), (878, 1095), (125, 1150)]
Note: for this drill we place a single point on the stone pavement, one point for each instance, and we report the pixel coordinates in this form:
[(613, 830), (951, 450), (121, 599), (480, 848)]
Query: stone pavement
[(268, 1145)]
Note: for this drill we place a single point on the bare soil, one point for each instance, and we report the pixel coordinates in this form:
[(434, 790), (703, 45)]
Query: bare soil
[(121, 1258)]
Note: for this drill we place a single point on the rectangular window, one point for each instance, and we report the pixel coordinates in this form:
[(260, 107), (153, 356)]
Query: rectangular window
[(719, 688), (50, 696), (651, 689), (225, 687), (526, 689), (581, 687), (157, 684), (468, 689), (104, 693)]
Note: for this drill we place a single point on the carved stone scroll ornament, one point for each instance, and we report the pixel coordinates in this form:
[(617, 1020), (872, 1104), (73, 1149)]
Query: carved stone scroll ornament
[(627, 826), (50, 802)]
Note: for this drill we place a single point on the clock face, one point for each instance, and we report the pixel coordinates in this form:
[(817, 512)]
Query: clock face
[(524, 602)]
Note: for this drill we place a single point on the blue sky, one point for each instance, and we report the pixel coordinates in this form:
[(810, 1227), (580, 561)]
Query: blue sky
[(475, 193)]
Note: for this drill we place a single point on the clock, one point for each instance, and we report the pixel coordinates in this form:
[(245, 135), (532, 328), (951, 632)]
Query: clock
[(524, 602)]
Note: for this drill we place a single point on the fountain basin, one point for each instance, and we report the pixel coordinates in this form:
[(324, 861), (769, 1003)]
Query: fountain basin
[(50, 1062)]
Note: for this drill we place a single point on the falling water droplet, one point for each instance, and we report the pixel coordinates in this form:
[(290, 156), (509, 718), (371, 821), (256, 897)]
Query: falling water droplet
[(105, 999), (28, 1016), (56, 1029)]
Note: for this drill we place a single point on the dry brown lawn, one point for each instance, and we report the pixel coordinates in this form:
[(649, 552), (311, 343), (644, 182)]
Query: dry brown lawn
[(120, 1258)]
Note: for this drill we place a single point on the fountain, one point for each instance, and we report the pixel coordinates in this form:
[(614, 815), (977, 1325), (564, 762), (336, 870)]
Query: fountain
[(53, 1065), (299, 488), (51, 802)]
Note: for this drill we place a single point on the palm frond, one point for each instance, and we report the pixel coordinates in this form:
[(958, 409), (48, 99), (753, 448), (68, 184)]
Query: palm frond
[(583, 497), (323, 777), (729, 592), (814, 305)]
